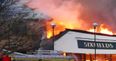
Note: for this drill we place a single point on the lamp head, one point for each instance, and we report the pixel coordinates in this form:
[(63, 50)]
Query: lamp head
[(53, 24), (95, 24)]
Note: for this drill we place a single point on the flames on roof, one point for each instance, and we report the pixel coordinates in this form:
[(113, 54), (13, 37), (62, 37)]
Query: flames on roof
[(78, 14)]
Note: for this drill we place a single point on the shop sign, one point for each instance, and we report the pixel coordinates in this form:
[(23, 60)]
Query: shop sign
[(86, 44)]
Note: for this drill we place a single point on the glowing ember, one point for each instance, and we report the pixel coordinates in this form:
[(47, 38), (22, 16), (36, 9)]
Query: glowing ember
[(64, 54)]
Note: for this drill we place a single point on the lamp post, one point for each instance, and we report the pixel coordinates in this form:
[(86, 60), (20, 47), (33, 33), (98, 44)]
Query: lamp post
[(53, 27), (95, 26)]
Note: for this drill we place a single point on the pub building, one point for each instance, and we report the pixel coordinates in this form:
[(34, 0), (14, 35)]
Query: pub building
[(86, 46)]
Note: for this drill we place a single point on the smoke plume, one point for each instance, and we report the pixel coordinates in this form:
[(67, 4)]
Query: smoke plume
[(81, 13)]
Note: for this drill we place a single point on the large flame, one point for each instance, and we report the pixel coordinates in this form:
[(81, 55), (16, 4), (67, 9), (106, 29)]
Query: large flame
[(102, 29), (75, 14), (61, 26), (58, 28)]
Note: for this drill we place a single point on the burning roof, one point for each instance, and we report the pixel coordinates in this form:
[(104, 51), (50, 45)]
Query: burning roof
[(78, 14), (49, 44), (81, 31), (70, 41)]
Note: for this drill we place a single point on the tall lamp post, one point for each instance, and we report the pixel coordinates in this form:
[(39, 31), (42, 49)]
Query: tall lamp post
[(95, 26), (53, 28)]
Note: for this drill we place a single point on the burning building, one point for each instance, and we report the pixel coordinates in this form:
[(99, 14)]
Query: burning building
[(84, 46), (79, 14)]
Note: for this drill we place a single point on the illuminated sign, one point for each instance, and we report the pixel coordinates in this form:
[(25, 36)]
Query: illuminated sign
[(85, 44)]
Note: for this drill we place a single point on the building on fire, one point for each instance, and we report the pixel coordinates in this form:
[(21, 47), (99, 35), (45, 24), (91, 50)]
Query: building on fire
[(81, 45)]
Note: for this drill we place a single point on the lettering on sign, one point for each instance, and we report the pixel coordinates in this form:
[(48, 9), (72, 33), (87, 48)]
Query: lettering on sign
[(99, 45)]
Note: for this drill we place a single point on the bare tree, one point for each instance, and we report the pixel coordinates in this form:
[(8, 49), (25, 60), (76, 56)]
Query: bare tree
[(16, 34)]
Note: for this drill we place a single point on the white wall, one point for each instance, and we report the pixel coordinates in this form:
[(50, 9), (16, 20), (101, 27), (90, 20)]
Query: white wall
[(68, 43)]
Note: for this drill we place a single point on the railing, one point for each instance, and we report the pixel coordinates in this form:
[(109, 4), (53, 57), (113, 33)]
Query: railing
[(46, 55)]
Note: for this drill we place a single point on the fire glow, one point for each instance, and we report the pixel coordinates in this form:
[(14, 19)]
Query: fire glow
[(102, 29), (60, 26), (76, 14)]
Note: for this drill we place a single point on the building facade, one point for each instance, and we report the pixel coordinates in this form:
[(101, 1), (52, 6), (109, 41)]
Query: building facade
[(86, 46)]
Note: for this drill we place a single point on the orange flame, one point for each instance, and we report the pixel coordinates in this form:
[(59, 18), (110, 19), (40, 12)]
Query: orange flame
[(57, 29), (106, 31), (60, 26), (71, 16), (103, 30)]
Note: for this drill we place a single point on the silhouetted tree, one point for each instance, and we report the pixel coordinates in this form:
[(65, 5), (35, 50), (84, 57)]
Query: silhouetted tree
[(21, 29)]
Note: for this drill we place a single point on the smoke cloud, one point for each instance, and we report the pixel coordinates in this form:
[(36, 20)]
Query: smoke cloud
[(81, 12)]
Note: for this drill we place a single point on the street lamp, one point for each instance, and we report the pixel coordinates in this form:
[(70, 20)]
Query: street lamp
[(53, 27), (95, 26)]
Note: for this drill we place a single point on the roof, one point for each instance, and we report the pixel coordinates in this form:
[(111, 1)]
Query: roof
[(81, 31), (55, 38)]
